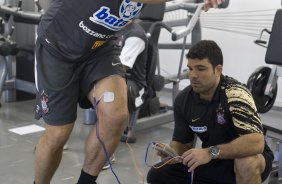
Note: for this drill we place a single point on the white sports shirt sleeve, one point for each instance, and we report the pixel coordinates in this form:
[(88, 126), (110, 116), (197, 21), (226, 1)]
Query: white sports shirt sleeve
[(133, 46)]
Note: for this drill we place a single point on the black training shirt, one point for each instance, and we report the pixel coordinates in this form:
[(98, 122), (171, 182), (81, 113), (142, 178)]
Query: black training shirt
[(231, 113)]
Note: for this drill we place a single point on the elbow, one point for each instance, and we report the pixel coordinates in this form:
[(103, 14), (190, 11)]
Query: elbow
[(260, 149), (260, 144)]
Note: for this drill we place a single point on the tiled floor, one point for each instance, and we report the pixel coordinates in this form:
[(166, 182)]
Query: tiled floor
[(17, 151)]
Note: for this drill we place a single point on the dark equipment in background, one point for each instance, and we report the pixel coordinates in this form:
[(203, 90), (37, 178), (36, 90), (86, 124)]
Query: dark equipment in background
[(263, 81), (22, 86)]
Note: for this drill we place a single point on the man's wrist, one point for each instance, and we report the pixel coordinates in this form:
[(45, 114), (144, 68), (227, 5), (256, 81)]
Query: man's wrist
[(214, 152)]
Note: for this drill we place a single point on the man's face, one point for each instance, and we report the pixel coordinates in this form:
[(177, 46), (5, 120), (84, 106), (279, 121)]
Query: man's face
[(203, 77)]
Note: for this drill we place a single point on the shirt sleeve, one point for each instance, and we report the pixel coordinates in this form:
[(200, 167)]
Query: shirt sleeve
[(182, 132), (133, 46), (243, 110)]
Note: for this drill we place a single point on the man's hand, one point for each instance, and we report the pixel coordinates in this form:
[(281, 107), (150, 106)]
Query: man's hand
[(169, 160), (165, 157), (212, 4), (195, 157)]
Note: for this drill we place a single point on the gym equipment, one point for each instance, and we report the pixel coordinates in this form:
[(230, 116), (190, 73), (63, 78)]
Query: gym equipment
[(9, 48), (257, 84), (263, 81), (189, 26), (263, 85), (151, 113)]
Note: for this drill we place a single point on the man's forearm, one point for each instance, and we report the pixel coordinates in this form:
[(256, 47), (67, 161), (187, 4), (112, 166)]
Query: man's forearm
[(179, 147), (243, 146)]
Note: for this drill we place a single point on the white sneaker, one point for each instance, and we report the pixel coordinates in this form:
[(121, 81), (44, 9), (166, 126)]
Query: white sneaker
[(107, 165)]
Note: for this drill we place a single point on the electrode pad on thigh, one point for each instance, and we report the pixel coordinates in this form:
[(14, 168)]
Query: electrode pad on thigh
[(108, 96)]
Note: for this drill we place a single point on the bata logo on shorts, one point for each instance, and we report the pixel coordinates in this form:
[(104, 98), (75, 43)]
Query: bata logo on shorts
[(127, 11)]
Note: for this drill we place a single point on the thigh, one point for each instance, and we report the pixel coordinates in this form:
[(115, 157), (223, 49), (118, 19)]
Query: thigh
[(97, 68), (209, 173), (111, 90), (57, 88), (259, 161), (168, 174)]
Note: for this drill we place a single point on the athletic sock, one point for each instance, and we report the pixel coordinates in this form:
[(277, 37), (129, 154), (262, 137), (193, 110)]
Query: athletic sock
[(86, 178)]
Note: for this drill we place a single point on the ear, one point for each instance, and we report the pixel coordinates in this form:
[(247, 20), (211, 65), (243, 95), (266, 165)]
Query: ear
[(218, 70)]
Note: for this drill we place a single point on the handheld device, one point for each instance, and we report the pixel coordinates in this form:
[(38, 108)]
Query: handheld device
[(164, 149)]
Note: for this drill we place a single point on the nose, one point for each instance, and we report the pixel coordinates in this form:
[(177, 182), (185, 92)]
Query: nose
[(192, 74)]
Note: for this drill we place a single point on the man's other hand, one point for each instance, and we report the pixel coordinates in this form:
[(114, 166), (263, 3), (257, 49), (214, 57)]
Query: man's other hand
[(212, 4)]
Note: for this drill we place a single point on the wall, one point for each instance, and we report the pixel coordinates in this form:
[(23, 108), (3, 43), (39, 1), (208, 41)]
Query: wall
[(235, 34)]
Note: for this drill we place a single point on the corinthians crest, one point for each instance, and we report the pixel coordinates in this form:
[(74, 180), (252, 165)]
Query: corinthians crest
[(220, 115)]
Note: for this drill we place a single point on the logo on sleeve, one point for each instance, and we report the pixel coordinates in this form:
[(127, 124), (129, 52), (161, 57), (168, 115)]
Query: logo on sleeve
[(127, 11)]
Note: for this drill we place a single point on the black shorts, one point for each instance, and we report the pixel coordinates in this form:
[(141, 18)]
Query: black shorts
[(61, 83), (212, 173)]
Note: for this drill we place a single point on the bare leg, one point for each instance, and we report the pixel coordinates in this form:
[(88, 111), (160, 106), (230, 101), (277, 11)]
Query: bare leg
[(248, 169), (48, 152), (111, 116)]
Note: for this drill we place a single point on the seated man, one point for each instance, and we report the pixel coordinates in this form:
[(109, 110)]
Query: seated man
[(222, 113)]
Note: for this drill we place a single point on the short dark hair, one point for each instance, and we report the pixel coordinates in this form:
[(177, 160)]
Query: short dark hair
[(206, 49)]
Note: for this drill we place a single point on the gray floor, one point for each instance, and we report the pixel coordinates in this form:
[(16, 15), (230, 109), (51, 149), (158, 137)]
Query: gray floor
[(16, 151)]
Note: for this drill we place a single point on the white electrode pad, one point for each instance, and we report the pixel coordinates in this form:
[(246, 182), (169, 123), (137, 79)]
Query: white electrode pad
[(109, 96)]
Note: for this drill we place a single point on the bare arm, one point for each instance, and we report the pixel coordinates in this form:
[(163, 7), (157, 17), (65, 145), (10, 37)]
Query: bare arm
[(243, 146), (208, 3), (179, 147), (246, 145), (212, 4)]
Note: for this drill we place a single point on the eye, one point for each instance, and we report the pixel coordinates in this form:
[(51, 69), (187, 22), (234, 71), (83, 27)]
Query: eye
[(201, 69)]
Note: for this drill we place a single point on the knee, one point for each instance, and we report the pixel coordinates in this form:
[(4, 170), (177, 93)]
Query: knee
[(246, 166), (56, 137), (153, 176), (116, 116), (115, 111)]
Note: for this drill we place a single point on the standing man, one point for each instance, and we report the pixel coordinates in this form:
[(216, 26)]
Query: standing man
[(76, 63), (222, 113)]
